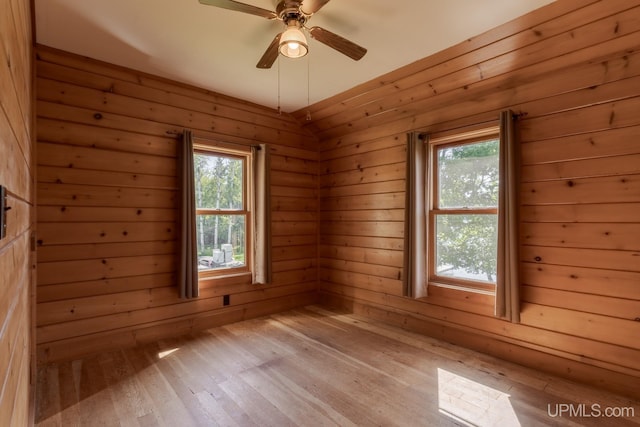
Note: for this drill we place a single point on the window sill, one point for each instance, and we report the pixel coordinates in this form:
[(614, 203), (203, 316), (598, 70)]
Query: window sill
[(462, 288), (225, 278)]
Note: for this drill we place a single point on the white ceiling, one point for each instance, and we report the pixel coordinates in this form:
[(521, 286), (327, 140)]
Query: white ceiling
[(217, 49)]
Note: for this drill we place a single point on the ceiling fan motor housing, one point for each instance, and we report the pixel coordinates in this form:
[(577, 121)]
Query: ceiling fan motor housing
[(289, 10)]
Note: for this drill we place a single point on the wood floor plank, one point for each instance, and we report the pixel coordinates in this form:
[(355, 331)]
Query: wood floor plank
[(310, 366), (166, 405), (129, 400), (48, 396), (180, 386), (95, 403), (257, 410), (69, 391)]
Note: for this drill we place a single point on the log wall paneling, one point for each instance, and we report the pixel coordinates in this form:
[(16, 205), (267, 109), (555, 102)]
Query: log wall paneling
[(107, 198), (572, 69), (17, 174), (107, 195)]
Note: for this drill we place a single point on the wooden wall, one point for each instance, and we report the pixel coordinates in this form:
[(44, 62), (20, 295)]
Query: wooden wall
[(573, 69), (107, 207), (16, 174)]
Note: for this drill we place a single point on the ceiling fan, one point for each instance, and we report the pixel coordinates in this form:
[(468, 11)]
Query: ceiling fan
[(291, 42)]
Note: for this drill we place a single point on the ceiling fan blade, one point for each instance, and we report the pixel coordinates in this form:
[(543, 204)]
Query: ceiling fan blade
[(309, 7), (337, 42), (241, 7), (271, 54)]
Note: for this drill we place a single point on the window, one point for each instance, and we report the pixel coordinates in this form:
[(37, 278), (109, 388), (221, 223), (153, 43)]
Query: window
[(463, 218), (222, 210), (461, 214)]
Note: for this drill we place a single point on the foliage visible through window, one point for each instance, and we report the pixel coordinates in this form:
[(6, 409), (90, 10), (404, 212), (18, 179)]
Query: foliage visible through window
[(464, 219), (221, 211)]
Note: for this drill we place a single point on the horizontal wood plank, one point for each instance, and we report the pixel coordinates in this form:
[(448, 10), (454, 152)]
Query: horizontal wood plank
[(49, 253), (570, 300), (596, 281), (619, 189), (600, 327), (95, 269), (60, 175), (88, 232), (577, 257), (98, 196), (77, 134), (592, 235), (606, 212), (76, 214)]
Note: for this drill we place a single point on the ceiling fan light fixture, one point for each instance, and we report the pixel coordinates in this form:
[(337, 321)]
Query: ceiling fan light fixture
[(293, 43)]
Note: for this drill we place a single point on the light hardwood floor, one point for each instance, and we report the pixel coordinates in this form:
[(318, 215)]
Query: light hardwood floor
[(312, 367)]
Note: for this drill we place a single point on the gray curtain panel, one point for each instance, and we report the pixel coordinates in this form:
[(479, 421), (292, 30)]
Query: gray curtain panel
[(415, 230), (507, 290), (261, 214), (188, 265)]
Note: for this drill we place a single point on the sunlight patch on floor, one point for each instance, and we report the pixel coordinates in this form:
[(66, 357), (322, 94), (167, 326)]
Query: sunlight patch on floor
[(163, 354), (473, 404)]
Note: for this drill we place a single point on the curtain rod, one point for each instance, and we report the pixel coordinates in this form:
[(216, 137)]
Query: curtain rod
[(422, 135), (173, 132)]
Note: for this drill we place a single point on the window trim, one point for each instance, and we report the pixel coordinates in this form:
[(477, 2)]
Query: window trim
[(224, 150), (435, 142)]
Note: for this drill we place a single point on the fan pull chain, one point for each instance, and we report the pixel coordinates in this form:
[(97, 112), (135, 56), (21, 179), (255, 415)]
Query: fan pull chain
[(308, 85), (279, 109)]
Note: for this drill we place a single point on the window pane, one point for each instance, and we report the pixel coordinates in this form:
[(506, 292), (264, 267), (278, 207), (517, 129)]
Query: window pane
[(468, 175), (221, 241), (218, 181), (467, 246)]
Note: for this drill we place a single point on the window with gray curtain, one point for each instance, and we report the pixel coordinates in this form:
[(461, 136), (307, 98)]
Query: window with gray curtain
[(461, 214), (224, 212)]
